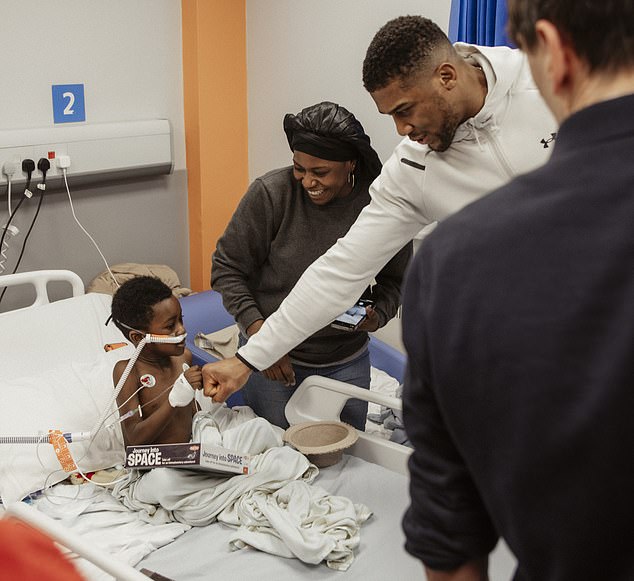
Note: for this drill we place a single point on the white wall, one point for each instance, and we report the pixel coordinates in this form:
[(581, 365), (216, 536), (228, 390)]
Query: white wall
[(301, 52), (128, 54)]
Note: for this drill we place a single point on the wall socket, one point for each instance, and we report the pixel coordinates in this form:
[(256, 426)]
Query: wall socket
[(98, 152)]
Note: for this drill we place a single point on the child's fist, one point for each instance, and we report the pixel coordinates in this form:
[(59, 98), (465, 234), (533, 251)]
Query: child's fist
[(194, 376)]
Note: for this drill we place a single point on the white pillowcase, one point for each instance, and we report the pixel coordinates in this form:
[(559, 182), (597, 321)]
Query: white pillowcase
[(70, 397), (55, 374)]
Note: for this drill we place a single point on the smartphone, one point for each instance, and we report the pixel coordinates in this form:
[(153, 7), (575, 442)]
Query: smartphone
[(353, 317)]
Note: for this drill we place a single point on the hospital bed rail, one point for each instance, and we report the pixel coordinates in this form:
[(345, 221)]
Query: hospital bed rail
[(39, 280)]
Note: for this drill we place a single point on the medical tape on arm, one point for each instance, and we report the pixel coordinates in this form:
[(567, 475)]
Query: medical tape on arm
[(182, 393)]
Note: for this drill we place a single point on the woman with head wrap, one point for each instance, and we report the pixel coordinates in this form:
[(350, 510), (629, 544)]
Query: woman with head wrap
[(287, 219)]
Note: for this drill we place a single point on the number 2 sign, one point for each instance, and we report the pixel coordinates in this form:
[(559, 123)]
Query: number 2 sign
[(68, 103)]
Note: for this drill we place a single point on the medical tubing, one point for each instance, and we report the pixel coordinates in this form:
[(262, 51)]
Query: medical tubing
[(6, 226), (3, 255), (91, 435), (119, 386), (149, 338), (68, 436), (26, 237)]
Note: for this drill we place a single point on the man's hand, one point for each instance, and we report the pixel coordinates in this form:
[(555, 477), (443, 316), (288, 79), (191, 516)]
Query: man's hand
[(475, 570), (281, 371), (223, 378)]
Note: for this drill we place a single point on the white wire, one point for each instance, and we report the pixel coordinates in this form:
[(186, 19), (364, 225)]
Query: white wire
[(99, 425), (149, 338), (86, 231), (5, 241)]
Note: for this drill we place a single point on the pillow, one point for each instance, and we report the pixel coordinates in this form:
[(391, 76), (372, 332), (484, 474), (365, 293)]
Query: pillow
[(70, 397), (41, 337)]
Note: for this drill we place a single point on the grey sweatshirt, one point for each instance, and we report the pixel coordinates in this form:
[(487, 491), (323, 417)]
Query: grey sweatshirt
[(274, 235)]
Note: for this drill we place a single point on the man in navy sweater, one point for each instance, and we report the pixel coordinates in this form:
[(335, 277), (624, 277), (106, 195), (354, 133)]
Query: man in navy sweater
[(519, 327)]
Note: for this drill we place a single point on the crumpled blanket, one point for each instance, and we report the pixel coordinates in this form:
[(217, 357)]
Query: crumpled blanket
[(103, 282), (274, 508), (101, 521), (221, 344)]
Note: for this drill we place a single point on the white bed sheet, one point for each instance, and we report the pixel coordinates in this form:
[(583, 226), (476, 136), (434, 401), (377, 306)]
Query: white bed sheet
[(39, 338), (204, 553)]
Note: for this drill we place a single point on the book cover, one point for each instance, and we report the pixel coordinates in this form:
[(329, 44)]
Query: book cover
[(189, 455)]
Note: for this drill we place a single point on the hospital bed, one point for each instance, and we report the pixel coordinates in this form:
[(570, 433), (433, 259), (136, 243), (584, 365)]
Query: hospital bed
[(56, 374)]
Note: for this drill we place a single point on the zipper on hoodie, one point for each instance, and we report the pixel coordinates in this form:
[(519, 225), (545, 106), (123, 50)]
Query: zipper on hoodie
[(499, 154)]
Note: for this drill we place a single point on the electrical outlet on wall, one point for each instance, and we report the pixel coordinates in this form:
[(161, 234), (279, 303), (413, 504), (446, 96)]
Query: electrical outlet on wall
[(99, 152), (15, 156)]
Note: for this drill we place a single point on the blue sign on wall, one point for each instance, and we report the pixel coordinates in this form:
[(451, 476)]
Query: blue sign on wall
[(68, 103)]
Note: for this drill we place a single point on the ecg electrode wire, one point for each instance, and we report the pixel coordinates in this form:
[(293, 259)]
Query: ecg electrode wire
[(105, 485), (135, 410), (148, 338)]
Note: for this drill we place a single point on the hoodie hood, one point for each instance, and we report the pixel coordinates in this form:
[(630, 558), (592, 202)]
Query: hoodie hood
[(505, 61)]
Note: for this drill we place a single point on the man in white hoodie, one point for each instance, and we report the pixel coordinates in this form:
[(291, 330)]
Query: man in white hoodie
[(471, 118)]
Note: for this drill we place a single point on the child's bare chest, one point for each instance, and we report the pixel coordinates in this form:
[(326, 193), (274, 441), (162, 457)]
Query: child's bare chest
[(157, 383)]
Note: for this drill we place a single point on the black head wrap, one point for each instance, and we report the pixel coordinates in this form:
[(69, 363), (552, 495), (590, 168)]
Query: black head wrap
[(329, 131)]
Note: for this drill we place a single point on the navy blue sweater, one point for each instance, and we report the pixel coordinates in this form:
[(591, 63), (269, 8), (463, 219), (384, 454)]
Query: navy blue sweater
[(519, 400)]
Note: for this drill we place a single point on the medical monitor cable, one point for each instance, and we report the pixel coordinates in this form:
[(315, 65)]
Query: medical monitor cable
[(64, 164), (8, 227), (43, 165), (91, 435), (148, 338)]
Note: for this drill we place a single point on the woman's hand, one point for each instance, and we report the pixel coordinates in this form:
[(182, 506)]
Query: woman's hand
[(254, 327), (371, 321), (281, 371)]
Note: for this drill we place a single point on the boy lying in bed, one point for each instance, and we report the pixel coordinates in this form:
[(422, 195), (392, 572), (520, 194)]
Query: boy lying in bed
[(160, 387)]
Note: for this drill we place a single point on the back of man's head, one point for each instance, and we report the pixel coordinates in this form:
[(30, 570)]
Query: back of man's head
[(600, 31), (402, 48)]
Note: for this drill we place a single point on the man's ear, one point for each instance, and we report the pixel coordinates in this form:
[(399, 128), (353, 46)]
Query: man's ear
[(561, 61), (447, 75)]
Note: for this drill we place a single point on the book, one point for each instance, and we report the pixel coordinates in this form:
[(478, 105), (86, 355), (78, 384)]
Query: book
[(191, 455)]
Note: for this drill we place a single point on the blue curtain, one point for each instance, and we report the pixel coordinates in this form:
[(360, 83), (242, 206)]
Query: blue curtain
[(480, 22)]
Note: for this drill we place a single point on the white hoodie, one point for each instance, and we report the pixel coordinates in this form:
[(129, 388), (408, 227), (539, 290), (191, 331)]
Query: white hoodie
[(418, 186)]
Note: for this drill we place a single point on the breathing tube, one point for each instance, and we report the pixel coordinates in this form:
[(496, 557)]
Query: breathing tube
[(82, 436)]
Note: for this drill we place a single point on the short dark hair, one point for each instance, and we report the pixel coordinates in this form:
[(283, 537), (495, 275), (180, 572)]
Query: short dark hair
[(601, 31), (134, 300), (400, 48)]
